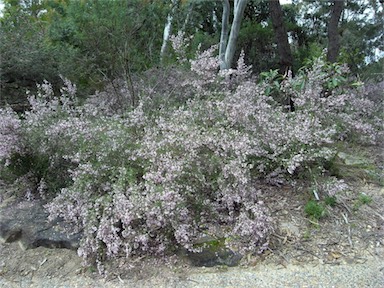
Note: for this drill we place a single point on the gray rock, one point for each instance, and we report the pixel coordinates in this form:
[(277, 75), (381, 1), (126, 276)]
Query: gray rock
[(214, 257), (214, 253), (27, 222)]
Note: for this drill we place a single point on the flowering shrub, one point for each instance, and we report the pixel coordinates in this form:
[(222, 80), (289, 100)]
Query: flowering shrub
[(336, 101), (144, 181), (34, 151), (9, 134), (144, 185)]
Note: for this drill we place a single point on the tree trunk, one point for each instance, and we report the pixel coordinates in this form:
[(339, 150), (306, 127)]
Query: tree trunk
[(333, 32), (224, 33), (230, 46), (190, 10), (167, 30), (286, 59)]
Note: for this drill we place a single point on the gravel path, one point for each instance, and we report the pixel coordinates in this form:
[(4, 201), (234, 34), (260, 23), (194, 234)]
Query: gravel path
[(367, 274)]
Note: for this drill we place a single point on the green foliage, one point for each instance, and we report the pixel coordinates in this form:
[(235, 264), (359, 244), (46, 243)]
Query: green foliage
[(272, 80), (114, 38), (363, 199), (24, 57), (330, 201), (258, 43), (94, 42), (44, 176), (373, 71), (21, 165), (360, 30), (212, 245), (336, 73), (304, 55), (89, 42), (315, 210)]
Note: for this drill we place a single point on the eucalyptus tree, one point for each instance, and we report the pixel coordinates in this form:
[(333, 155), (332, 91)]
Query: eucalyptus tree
[(168, 28), (229, 35)]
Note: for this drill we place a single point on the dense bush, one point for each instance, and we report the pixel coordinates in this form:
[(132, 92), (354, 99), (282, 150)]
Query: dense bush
[(24, 58), (145, 182)]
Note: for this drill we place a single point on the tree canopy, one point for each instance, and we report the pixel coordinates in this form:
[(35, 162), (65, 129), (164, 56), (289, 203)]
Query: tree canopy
[(94, 42)]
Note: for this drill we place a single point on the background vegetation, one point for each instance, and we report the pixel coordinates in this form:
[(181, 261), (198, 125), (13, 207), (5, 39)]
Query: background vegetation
[(95, 42)]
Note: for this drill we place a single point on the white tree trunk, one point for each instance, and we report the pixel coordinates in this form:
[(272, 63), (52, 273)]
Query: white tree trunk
[(230, 46), (167, 30), (190, 10), (224, 34)]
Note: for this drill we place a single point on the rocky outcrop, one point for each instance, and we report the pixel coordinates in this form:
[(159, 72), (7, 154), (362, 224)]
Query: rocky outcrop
[(27, 223)]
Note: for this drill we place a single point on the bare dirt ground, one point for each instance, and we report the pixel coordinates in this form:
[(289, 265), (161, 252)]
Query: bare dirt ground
[(344, 249)]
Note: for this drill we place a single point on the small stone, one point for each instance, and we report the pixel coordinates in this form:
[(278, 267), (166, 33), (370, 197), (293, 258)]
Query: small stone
[(210, 258)]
